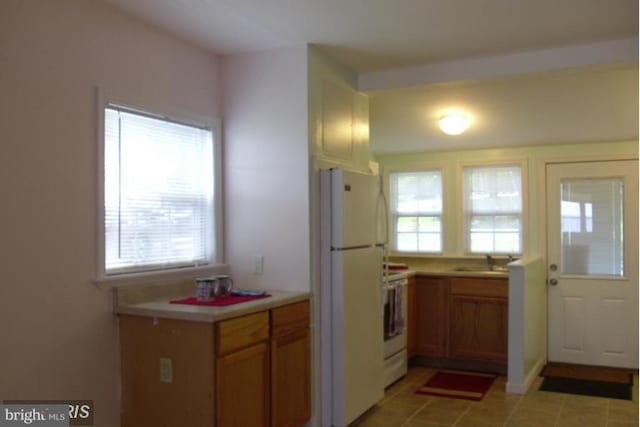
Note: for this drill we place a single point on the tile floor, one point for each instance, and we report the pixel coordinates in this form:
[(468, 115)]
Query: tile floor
[(402, 407)]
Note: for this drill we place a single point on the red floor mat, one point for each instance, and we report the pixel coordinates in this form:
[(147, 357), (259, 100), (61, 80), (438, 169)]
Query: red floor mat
[(458, 384)]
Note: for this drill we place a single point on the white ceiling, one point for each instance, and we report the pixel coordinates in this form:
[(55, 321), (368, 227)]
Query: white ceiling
[(593, 104), (368, 35), (417, 57)]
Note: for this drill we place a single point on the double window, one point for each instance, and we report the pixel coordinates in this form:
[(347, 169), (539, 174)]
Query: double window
[(416, 209), (159, 199), (491, 210)]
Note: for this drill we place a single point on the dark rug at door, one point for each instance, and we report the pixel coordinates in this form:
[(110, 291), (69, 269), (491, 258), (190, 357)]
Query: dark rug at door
[(613, 390), (584, 372), (458, 384)]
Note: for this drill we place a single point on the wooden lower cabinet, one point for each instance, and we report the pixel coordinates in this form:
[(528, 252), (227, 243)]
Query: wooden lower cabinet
[(290, 365), (431, 316), (242, 395), (478, 319), (242, 387), (478, 328), (290, 379), (459, 319), (146, 400), (253, 370)]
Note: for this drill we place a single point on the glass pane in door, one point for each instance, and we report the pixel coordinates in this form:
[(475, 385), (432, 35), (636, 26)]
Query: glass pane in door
[(591, 226)]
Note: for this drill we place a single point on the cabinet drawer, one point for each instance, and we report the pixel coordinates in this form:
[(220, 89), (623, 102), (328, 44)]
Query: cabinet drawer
[(241, 332), (480, 287), (289, 318)]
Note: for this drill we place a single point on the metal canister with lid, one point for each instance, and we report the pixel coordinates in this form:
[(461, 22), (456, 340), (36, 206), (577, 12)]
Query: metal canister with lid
[(222, 286), (204, 288)]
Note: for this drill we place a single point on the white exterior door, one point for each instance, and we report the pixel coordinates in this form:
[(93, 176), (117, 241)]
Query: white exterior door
[(593, 263)]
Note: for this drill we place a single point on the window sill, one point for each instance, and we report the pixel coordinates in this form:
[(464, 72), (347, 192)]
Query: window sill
[(122, 280)]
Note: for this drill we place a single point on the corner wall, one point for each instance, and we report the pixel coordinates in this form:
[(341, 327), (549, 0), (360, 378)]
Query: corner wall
[(59, 335), (527, 323), (266, 168)]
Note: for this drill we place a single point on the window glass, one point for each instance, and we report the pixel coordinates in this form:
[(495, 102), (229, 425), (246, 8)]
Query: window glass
[(493, 209), (158, 193), (416, 199), (591, 221)]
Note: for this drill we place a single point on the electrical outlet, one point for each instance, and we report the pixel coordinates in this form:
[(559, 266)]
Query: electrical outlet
[(258, 264), (166, 370)]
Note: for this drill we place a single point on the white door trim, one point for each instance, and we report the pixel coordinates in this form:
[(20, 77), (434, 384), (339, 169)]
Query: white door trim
[(541, 189), (542, 166)]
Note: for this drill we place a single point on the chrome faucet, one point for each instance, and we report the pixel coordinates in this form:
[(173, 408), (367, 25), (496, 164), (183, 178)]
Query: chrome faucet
[(489, 262)]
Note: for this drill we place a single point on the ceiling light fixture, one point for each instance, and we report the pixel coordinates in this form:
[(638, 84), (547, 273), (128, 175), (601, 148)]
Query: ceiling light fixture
[(454, 123)]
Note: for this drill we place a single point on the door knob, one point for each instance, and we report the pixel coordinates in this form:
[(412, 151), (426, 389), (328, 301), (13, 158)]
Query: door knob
[(553, 282)]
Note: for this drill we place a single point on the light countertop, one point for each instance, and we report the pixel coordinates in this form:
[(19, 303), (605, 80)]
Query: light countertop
[(450, 273), (199, 313), (475, 266), (396, 275)]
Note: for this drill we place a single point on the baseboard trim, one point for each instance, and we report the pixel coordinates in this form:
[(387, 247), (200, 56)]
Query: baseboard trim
[(465, 365), (522, 388)]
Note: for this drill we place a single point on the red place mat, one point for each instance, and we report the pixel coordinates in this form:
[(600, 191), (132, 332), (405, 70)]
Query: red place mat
[(219, 301), (458, 384)]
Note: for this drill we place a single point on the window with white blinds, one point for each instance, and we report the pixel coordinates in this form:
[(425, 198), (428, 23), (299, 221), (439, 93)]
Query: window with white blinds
[(158, 193), (416, 210), (493, 209)]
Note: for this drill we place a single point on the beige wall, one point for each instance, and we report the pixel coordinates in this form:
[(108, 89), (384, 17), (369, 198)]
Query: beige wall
[(59, 338), (266, 168)]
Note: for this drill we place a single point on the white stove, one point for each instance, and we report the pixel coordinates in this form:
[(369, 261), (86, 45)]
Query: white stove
[(394, 328)]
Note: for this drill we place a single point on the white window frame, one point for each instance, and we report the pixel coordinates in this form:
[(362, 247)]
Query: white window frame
[(393, 214), (216, 265), (463, 223)]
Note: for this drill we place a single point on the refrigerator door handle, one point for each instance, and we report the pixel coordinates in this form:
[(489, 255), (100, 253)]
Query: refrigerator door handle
[(385, 212), (384, 239), (381, 288)]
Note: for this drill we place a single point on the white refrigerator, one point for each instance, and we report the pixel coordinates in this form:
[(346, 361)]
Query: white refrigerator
[(350, 295)]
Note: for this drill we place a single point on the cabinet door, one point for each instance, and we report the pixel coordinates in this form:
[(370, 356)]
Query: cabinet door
[(242, 387), (412, 342), (291, 379), (431, 318), (478, 328)]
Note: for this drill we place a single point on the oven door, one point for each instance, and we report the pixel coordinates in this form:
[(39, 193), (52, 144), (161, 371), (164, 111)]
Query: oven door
[(395, 332)]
